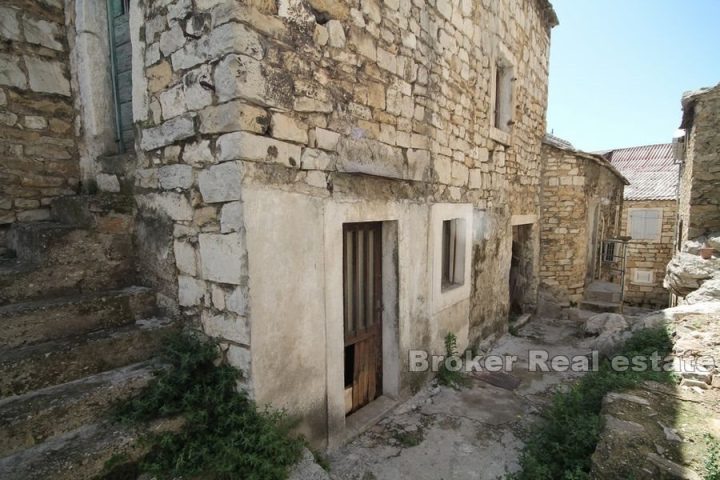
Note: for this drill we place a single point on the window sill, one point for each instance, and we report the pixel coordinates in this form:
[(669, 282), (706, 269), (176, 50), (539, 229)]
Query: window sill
[(449, 287), (500, 136)]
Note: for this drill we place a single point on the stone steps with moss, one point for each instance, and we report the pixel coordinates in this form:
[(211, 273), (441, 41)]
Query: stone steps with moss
[(34, 417), (36, 321), (31, 367)]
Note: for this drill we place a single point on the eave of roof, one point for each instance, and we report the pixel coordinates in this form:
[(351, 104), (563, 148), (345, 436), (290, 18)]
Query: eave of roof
[(598, 159)]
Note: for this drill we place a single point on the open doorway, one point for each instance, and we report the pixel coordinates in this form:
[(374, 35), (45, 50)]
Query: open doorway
[(521, 270), (363, 308)]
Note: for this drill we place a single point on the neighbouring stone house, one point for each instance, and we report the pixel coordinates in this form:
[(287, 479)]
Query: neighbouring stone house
[(582, 198), (699, 202), (649, 216), (689, 277), (321, 185)]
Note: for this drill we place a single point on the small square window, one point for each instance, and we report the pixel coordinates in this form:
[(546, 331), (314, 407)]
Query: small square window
[(453, 253), (645, 277)]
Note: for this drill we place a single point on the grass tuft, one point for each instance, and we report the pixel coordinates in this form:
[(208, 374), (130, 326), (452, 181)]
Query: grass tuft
[(561, 444)]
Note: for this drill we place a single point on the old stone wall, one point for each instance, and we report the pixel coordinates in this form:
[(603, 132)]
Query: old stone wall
[(699, 204), (577, 188), (383, 106), (39, 153), (651, 255)]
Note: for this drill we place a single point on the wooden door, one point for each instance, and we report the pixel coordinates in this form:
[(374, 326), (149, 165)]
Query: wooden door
[(362, 286)]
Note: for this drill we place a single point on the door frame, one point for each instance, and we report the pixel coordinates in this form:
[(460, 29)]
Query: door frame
[(394, 222)]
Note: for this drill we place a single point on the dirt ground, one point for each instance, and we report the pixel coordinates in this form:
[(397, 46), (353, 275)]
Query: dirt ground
[(473, 433)]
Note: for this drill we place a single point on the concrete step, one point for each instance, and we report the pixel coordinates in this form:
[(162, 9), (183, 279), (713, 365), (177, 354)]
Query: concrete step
[(22, 281), (103, 211), (81, 453), (53, 243), (32, 418), (601, 291), (55, 362), (600, 307), (51, 319)]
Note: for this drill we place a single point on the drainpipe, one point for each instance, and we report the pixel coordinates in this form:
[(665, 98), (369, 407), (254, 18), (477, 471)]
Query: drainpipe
[(113, 75), (622, 277)]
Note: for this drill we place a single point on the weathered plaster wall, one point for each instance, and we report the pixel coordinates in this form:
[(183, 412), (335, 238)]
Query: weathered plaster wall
[(39, 153), (258, 121), (575, 184), (699, 204), (649, 255)]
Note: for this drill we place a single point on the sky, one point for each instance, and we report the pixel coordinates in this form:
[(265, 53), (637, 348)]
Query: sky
[(618, 68)]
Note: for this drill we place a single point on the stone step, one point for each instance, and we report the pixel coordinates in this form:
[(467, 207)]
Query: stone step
[(32, 418), (600, 307), (104, 211), (55, 362), (53, 243), (22, 281), (51, 319), (81, 453), (602, 291)]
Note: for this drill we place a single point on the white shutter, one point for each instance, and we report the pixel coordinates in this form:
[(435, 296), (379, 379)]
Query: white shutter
[(645, 223)]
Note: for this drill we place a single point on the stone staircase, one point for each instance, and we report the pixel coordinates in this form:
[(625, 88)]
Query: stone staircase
[(76, 334), (602, 296)]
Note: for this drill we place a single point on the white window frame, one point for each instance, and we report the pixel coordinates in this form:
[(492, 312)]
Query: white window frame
[(645, 237), (453, 253), (447, 295), (636, 276)]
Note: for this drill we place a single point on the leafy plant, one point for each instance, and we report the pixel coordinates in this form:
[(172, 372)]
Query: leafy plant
[(560, 446), (451, 378), (712, 462), (225, 435)]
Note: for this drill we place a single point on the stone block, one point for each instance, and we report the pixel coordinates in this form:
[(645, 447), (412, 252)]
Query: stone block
[(370, 157), (336, 34), (231, 217), (172, 40), (227, 38), (107, 182), (232, 117), (185, 257), (313, 159), (159, 76), (9, 25), (386, 60), (198, 153), (47, 76), (174, 205), (175, 176), (418, 164), (285, 127), (246, 146), (221, 183), (226, 326), (222, 257), (240, 76), (172, 102), (191, 291), (178, 128), (326, 139), (42, 32), (236, 301), (36, 215), (307, 104)]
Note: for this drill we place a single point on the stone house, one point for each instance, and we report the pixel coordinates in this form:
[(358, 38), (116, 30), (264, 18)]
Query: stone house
[(582, 198), (699, 203), (649, 216), (320, 185)]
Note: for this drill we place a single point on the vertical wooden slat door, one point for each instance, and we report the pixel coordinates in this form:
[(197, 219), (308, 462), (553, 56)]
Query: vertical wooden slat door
[(362, 286)]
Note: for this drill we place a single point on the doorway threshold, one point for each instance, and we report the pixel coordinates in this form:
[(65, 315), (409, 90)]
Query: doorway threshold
[(358, 422)]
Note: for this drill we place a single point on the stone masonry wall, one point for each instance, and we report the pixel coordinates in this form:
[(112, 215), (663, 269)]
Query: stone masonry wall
[(649, 255), (39, 153), (572, 182), (338, 101), (699, 205)]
